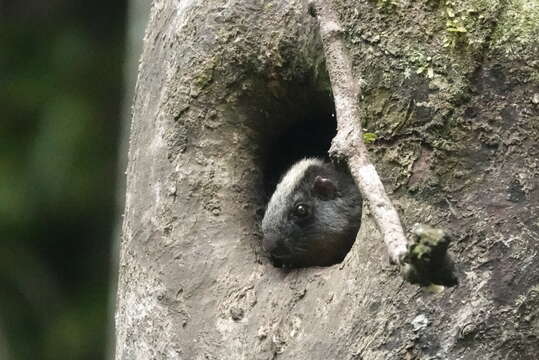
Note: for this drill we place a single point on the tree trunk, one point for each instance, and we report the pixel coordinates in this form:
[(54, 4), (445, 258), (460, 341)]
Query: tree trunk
[(137, 15), (227, 92)]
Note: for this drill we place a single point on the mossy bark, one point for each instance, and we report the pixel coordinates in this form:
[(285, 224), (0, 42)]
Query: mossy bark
[(450, 90)]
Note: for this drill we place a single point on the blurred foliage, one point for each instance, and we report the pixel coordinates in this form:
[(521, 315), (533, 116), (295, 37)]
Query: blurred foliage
[(60, 101)]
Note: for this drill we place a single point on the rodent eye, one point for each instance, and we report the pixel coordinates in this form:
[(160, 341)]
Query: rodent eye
[(301, 210)]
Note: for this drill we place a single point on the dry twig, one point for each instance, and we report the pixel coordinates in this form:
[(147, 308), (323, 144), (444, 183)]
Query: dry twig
[(348, 145)]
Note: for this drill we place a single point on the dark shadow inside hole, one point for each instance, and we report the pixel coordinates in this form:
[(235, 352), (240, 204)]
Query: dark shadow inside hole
[(307, 131)]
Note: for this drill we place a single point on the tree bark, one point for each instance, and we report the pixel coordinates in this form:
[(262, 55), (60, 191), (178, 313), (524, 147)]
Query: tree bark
[(450, 94), (137, 16)]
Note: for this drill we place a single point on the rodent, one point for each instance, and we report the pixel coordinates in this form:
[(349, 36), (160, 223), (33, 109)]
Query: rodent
[(313, 216)]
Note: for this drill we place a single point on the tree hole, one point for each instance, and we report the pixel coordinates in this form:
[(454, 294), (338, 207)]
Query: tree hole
[(307, 228)]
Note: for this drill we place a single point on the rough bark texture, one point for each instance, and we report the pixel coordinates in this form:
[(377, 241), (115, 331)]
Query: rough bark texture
[(450, 92)]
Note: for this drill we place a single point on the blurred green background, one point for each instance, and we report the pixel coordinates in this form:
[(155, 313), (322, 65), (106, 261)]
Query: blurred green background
[(61, 93)]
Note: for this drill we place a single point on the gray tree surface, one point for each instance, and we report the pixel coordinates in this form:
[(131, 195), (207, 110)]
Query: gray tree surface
[(450, 94)]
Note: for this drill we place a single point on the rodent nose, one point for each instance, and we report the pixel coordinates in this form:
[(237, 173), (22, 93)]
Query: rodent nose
[(266, 245), (274, 246), (268, 242)]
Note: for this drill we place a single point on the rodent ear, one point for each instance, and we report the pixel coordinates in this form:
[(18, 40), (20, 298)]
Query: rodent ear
[(324, 188)]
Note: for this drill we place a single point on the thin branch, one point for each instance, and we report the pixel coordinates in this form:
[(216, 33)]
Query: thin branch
[(348, 145)]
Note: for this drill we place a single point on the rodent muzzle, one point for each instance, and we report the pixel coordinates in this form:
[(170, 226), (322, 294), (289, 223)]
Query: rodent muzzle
[(275, 247), (277, 251)]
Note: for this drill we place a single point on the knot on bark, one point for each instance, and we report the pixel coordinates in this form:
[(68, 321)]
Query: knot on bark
[(311, 8), (331, 30), (344, 145), (427, 261)]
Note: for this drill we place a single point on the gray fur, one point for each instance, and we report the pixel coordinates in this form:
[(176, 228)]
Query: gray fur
[(324, 236)]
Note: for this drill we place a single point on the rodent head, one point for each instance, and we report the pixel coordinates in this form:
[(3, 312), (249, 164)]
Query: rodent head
[(312, 217)]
